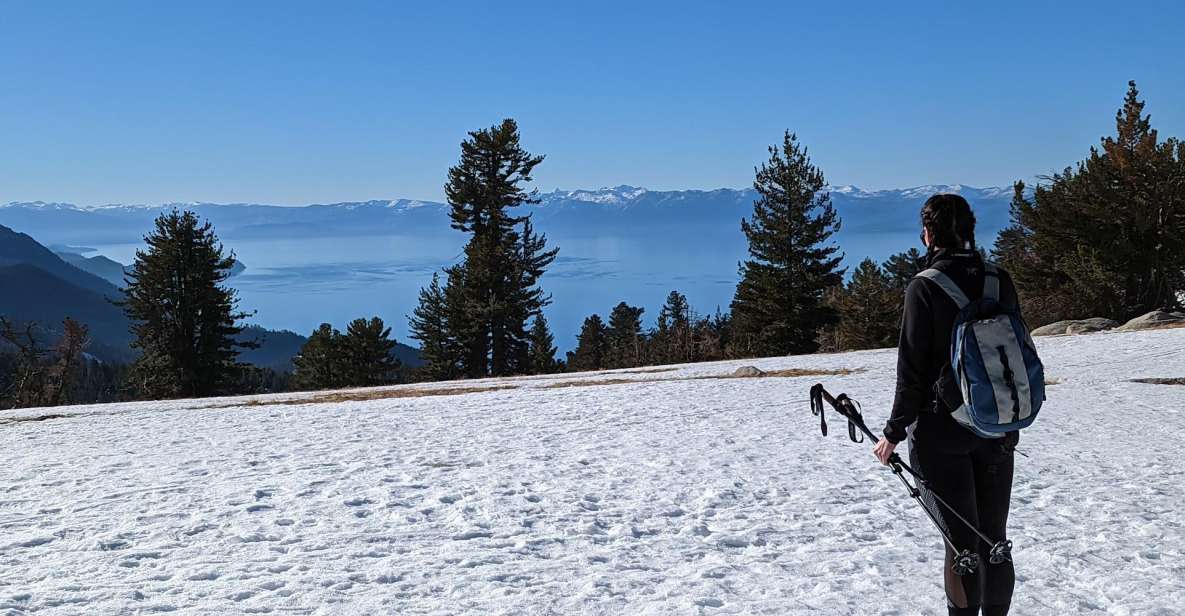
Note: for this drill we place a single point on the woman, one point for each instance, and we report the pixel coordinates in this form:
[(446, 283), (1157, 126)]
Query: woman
[(972, 474)]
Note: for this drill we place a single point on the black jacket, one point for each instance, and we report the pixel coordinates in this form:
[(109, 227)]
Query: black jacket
[(926, 392)]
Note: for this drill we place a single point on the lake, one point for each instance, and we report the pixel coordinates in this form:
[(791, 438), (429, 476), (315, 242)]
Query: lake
[(296, 284)]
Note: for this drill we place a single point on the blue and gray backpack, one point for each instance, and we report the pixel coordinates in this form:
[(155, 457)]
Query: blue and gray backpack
[(993, 360)]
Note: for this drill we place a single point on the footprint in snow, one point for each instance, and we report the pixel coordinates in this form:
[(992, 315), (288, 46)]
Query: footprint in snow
[(114, 544), (732, 541), (32, 543), (473, 534)]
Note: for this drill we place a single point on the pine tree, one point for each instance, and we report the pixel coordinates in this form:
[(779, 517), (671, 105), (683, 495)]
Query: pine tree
[(367, 356), (902, 267), (431, 325), (183, 318), (779, 304), (624, 339), (319, 363), (495, 292), (671, 340), (1106, 238), (591, 346), (868, 309), (542, 347), (526, 298)]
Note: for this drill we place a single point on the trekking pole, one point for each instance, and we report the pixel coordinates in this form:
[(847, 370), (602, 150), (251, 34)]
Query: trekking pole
[(965, 561)]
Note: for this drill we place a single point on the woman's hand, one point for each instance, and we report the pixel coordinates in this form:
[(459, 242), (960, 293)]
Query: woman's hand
[(883, 450)]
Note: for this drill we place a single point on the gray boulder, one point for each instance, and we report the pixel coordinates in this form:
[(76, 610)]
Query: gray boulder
[(1053, 329), (1079, 326), (1154, 320), (1089, 326), (748, 371)]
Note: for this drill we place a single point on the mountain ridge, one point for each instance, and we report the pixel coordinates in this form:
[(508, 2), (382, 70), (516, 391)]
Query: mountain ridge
[(620, 194), (52, 288)]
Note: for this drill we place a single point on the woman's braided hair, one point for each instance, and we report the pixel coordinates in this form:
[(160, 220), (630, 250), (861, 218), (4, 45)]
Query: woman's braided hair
[(950, 221)]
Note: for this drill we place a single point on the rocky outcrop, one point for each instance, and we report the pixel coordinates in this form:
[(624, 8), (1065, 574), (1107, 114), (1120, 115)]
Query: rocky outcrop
[(1155, 320), (748, 371), (1088, 326), (1079, 326)]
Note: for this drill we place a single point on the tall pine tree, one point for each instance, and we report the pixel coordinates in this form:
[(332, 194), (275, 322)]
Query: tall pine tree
[(184, 318), (495, 292), (779, 305)]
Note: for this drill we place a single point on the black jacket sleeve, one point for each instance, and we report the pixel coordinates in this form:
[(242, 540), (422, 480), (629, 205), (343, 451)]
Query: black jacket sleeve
[(913, 359), (1008, 294)]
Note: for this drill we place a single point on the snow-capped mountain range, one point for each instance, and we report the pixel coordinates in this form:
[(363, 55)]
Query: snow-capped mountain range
[(617, 209), (623, 194)]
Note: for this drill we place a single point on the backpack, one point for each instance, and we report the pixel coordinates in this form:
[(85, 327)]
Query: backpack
[(993, 360)]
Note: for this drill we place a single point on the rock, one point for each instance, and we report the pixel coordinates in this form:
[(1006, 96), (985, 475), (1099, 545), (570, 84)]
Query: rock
[(1053, 329), (1087, 326), (1080, 326), (748, 371), (1154, 320)]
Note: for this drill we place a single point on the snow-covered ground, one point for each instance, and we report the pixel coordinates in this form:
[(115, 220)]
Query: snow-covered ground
[(674, 494)]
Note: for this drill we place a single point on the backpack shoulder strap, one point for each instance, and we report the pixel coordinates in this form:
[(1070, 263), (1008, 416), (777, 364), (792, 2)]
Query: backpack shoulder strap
[(991, 281), (948, 285)]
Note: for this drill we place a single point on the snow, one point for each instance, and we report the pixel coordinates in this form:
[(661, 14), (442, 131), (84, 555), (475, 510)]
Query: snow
[(669, 493), (617, 195), (38, 205), (921, 192)]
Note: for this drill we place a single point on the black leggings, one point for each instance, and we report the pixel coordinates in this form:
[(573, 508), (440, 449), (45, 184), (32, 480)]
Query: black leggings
[(978, 484)]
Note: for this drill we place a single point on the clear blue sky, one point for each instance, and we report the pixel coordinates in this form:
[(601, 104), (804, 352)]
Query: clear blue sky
[(293, 103)]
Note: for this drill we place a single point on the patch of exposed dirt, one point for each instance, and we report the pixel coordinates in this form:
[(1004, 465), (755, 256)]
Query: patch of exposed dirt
[(1160, 381), (600, 382), (643, 370), (378, 394), (794, 372), (15, 420)]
